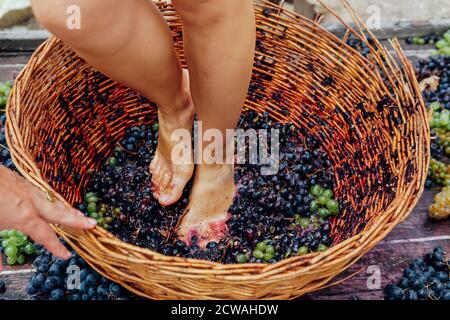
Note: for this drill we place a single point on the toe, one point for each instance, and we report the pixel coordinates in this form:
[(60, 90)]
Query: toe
[(154, 163), (174, 191), (165, 180), (157, 176), (169, 198)]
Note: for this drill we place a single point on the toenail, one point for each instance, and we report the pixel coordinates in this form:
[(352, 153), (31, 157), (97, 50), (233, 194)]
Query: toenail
[(164, 197)]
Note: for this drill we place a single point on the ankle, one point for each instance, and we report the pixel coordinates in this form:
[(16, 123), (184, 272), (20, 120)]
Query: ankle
[(174, 108)]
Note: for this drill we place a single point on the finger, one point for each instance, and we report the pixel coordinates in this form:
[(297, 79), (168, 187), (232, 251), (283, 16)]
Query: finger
[(58, 213), (41, 233)]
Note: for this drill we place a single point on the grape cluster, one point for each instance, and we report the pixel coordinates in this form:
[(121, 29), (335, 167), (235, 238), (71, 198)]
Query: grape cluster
[(436, 147), (441, 117), (428, 39), (323, 202), (439, 173), (440, 209), (95, 209), (56, 279), (439, 103), (5, 89), (5, 157), (426, 278), (265, 209), (16, 246), (444, 139), (321, 207), (442, 44), (359, 45), (264, 250), (436, 66), (440, 124)]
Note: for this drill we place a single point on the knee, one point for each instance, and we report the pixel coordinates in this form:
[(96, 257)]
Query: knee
[(203, 13), (77, 22), (54, 16)]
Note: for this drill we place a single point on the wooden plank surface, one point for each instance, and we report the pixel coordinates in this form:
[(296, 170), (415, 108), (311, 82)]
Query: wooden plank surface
[(410, 239), (21, 41)]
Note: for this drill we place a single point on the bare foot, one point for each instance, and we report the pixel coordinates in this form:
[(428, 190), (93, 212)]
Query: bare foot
[(169, 179), (212, 195)]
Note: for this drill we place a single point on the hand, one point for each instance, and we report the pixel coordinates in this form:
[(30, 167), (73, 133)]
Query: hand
[(25, 208)]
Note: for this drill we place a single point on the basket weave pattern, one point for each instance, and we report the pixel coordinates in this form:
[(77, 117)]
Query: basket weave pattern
[(64, 117)]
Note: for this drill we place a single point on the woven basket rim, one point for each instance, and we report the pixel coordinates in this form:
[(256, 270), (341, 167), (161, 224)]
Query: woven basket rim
[(352, 248)]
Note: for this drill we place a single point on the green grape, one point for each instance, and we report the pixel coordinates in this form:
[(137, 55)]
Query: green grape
[(267, 257), (316, 190), (441, 44), (258, 254), (440, 209), (270, 249), (11, 251), (444, 119), (108, 219), (11, 260), (92, 207), (327, 193), (17, 241), (322, 200), (21, 259), (434, 123), (241, 258), (418, 41), (323, 213), (435, 106), (313, 206), (112, 162), (16, 246), (93, 215), (439, 172), (261, 246), (11, 242), (4, 233), (445, 51), (12, 233), (29, 249), (302, 251), (92, 199), (333, 206), (304, 222), (88, 195), (446, 36)]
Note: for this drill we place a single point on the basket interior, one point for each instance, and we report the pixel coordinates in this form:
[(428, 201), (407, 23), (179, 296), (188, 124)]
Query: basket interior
[(74, 115)]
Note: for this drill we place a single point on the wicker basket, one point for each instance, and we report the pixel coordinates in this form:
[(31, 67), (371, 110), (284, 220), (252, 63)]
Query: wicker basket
[(63, 118)]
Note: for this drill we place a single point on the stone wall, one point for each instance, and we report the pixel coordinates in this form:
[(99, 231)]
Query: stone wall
[(14, 11)]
